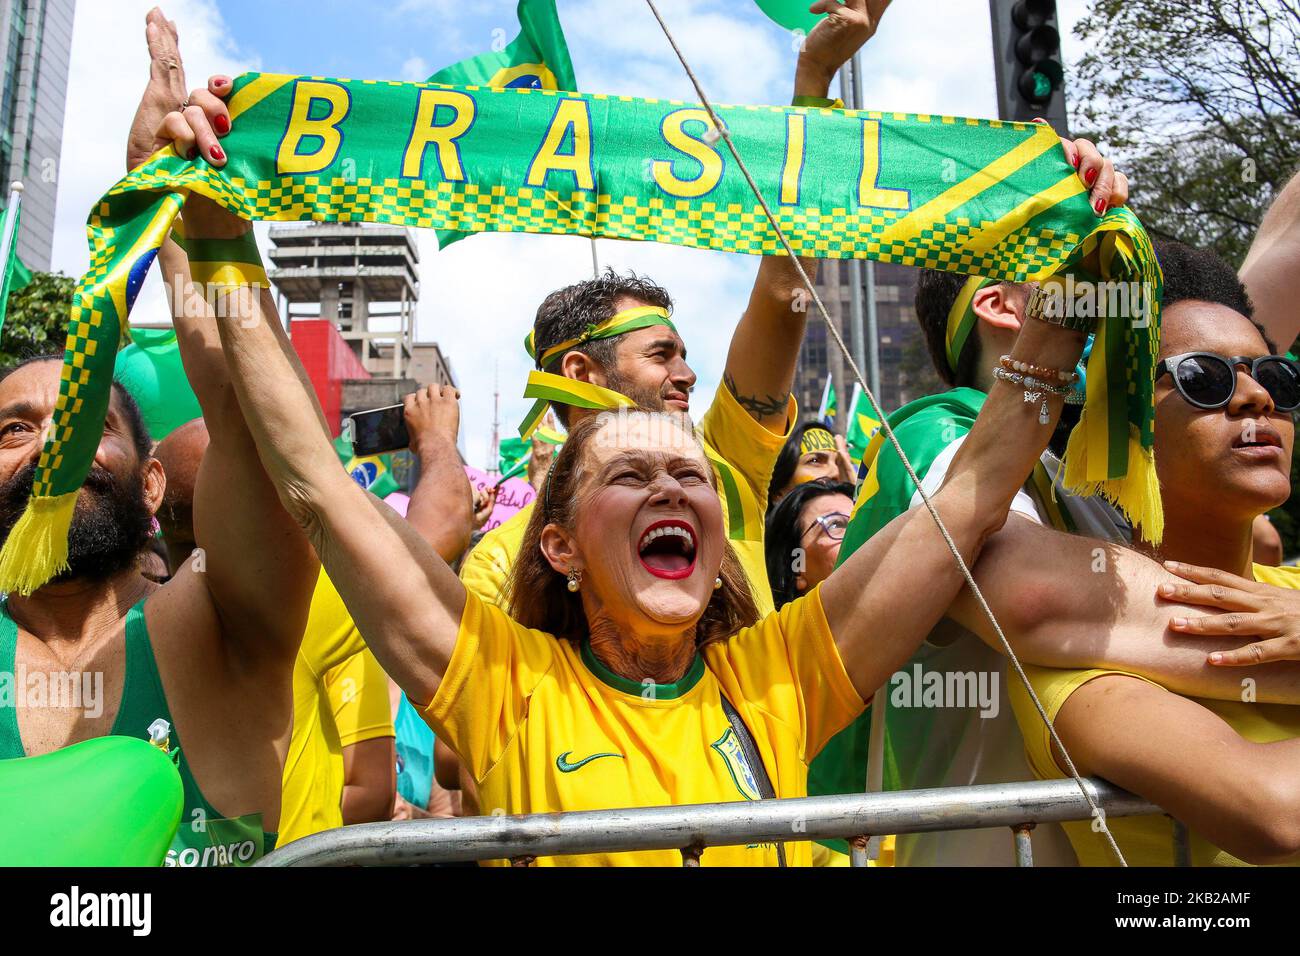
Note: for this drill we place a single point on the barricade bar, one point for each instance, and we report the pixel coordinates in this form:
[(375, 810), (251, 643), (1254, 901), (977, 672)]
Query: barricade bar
[(710, 824)]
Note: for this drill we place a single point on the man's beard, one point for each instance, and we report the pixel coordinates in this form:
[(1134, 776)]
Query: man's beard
[(110, 526), (653, 399)]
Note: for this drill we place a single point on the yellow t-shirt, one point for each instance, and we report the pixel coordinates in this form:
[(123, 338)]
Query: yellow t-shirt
[(332, 650), (542, 726), (1145, 840), (357, 691), (734, 436)]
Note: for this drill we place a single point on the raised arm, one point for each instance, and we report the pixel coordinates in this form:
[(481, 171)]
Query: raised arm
[(1271, 272), (258, 568), (402, 596), (884, 600), (1073, 602), (765, 346)]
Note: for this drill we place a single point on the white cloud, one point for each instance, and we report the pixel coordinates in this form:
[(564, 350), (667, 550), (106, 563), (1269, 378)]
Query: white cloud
[(103, 92), (416, 69)]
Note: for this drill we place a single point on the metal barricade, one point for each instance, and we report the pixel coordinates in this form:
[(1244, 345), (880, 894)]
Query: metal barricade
[(692, 829)]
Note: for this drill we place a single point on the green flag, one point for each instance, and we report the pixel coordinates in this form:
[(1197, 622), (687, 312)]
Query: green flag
[(537, 59), (862, 425), (513, 454), (16, 275)]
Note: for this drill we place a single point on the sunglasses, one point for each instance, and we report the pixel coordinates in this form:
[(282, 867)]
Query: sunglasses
[(1207, 380), (834, 524)]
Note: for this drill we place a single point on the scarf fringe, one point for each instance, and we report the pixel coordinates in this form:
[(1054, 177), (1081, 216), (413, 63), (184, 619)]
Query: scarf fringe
[(37, 547), (1136, 495)]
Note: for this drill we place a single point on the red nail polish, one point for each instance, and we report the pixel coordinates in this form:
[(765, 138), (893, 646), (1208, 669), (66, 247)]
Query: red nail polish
[(1100, 206), (217, 154), (1075, 161), (1090, 176), (221, 124)]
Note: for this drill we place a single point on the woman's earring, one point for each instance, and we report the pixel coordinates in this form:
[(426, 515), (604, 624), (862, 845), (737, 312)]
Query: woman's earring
[(575, 580), (717, 584)]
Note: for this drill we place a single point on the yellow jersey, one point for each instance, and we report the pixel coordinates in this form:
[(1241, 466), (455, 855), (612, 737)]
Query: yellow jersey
[(1145, 840), (339, 691), (543, 726), (729, 433)]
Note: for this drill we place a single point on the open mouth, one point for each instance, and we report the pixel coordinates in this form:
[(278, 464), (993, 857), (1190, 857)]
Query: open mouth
[(667, 549)]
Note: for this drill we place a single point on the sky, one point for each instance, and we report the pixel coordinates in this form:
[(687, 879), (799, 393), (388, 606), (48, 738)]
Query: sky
[(479, 296)]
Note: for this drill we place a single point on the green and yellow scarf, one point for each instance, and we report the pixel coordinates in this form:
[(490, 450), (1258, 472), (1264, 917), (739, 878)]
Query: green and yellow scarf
[(979, 197)]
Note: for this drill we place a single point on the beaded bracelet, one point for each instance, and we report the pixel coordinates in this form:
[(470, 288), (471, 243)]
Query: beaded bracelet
[(1038, 371)]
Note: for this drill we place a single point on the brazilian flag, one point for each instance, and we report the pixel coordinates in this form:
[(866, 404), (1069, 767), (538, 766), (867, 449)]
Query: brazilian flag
[(862, 425), (537, 59), (372, 472)]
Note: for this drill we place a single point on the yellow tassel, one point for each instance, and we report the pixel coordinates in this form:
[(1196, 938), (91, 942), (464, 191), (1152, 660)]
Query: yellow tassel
[(37, 547), (1136, 495)]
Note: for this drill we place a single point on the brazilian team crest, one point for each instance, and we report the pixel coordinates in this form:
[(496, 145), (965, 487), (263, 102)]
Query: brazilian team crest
[(728, 747)]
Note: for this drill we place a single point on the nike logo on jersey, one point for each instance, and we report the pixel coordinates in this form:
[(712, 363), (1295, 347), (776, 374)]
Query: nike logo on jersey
[(562, 761)]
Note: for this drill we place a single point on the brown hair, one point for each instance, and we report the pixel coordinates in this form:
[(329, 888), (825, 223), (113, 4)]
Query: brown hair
[(538, 594)]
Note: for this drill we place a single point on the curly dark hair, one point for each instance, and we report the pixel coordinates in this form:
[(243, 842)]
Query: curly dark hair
[(566, 312), (1200, 275), (538, 595)]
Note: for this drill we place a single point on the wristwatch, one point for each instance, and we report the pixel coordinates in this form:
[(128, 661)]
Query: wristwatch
[(1063, 315)]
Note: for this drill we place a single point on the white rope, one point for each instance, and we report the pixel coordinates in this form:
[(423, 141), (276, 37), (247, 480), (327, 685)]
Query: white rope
[(1097, 814)]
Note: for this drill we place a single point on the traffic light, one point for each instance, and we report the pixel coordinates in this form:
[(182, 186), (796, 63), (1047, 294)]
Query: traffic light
[(1027, 61)]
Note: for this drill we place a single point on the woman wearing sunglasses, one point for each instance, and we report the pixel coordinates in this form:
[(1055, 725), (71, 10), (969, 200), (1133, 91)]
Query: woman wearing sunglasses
[(803, 537)]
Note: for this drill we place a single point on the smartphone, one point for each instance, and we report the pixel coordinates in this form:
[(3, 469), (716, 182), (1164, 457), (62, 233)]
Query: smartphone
[(379, 430)]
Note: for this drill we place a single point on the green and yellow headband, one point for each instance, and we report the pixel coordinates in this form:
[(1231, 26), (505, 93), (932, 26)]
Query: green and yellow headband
[(546, 387), (629, 320), (962, 318)]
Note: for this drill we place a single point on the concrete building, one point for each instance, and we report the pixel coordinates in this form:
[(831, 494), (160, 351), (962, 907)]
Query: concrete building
[(905, 372), (349, 292), (35, 42)]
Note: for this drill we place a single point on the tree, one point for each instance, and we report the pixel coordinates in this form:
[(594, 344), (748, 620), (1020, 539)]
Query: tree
[(1199, 103), (37, 318)]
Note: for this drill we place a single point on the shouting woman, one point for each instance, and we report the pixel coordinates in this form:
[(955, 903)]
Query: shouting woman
[(633, 670)]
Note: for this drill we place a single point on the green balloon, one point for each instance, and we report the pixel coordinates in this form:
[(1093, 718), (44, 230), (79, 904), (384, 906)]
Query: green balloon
[(150, 369), (791, 14), (111, 801)]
